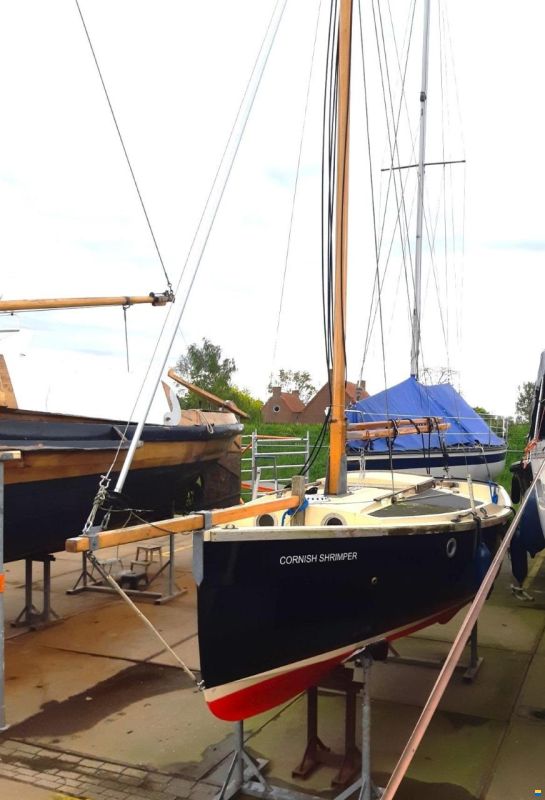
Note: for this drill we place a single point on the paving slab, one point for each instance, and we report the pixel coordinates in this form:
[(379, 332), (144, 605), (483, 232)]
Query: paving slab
[(15, 790), (457, 751), (531, 701), (517, 629), (38, 677), (118, 632), (519, 768), (541, 646), (492, 694), (188, 651), (144, 715)]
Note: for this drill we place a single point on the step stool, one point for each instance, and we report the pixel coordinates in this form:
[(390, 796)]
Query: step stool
[(145, 554)]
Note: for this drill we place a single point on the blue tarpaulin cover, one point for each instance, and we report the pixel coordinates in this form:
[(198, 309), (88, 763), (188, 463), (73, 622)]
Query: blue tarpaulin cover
[(411, 399)]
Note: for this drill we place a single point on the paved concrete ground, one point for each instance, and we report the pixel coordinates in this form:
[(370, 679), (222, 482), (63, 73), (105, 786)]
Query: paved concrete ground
[(99, 709)]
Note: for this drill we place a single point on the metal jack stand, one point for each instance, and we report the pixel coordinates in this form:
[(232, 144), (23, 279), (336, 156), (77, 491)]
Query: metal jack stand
[(30, 617), (353, 767), (245, 776), (469, 670), (86, 581), (365, 785)]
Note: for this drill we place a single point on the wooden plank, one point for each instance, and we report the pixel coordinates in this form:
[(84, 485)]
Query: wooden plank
[(212, 398), (391, 423), (192, 522), (391, 433)]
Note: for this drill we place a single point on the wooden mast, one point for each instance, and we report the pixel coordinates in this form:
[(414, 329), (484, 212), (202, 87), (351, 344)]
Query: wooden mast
[(336, 477)]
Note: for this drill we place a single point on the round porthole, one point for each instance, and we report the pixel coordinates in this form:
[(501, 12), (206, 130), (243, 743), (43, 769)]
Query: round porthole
[(333, 519), (451, 547), (265, 521), (276, 409)]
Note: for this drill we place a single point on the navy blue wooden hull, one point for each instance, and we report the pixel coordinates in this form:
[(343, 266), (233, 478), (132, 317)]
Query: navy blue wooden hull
[(41, 515), (258, 611), (63, 456), (481, 464)]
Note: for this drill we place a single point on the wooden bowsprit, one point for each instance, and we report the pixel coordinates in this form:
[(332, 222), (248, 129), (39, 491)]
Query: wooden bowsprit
[(192, 522)]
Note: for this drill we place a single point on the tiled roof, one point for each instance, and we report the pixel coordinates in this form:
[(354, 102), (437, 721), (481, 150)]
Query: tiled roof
[(293, 402)]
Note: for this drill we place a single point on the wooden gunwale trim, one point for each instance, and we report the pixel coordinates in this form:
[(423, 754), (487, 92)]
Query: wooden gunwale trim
[(39, 465), (339, 532)]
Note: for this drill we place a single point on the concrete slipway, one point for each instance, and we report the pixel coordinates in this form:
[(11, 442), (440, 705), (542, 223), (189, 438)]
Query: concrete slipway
[(97, 708)]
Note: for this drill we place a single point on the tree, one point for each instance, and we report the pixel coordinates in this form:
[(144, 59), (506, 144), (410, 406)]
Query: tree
[(244, 400), (290, 380), (205, 367), (525, 400)]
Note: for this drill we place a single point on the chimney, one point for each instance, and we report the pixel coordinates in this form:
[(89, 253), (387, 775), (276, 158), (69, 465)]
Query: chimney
[(295, 393), (360, 390), (276, 392)]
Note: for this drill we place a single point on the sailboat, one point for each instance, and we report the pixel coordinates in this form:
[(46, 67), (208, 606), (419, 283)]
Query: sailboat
[(194, 460), (470, 446), (282, 596), (291, 586)]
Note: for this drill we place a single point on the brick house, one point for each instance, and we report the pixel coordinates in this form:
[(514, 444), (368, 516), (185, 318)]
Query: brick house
[(282, 406), (288, 407), (315, 409)]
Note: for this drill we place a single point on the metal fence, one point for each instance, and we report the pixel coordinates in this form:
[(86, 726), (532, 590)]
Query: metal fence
[(269, 462)]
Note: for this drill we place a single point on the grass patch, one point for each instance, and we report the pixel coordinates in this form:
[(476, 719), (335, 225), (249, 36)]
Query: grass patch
[(516, 442)]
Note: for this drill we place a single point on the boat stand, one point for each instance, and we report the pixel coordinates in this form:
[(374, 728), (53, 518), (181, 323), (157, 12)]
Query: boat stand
[(129, 580), (469, 670), (30, 617), (245, 774), (353, 766)]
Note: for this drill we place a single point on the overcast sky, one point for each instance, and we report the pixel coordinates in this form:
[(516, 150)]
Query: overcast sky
[(72, 224)]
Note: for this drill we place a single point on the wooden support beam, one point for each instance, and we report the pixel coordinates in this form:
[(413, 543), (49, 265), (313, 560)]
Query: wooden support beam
[(212, 398), (392, 423), (391, 433), (192, 522)]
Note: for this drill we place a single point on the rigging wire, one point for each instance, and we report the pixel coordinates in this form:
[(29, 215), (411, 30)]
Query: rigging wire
[(401, 219), (141, 199), (295, 187), (214, 197), (328, 180), (444, 184), (126, 337), (374, 219)]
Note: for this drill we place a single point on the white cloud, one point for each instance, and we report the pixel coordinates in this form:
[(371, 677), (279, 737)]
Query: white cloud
[(71, 223)]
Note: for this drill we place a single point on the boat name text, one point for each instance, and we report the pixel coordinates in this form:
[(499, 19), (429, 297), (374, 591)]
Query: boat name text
[(315, 558)]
